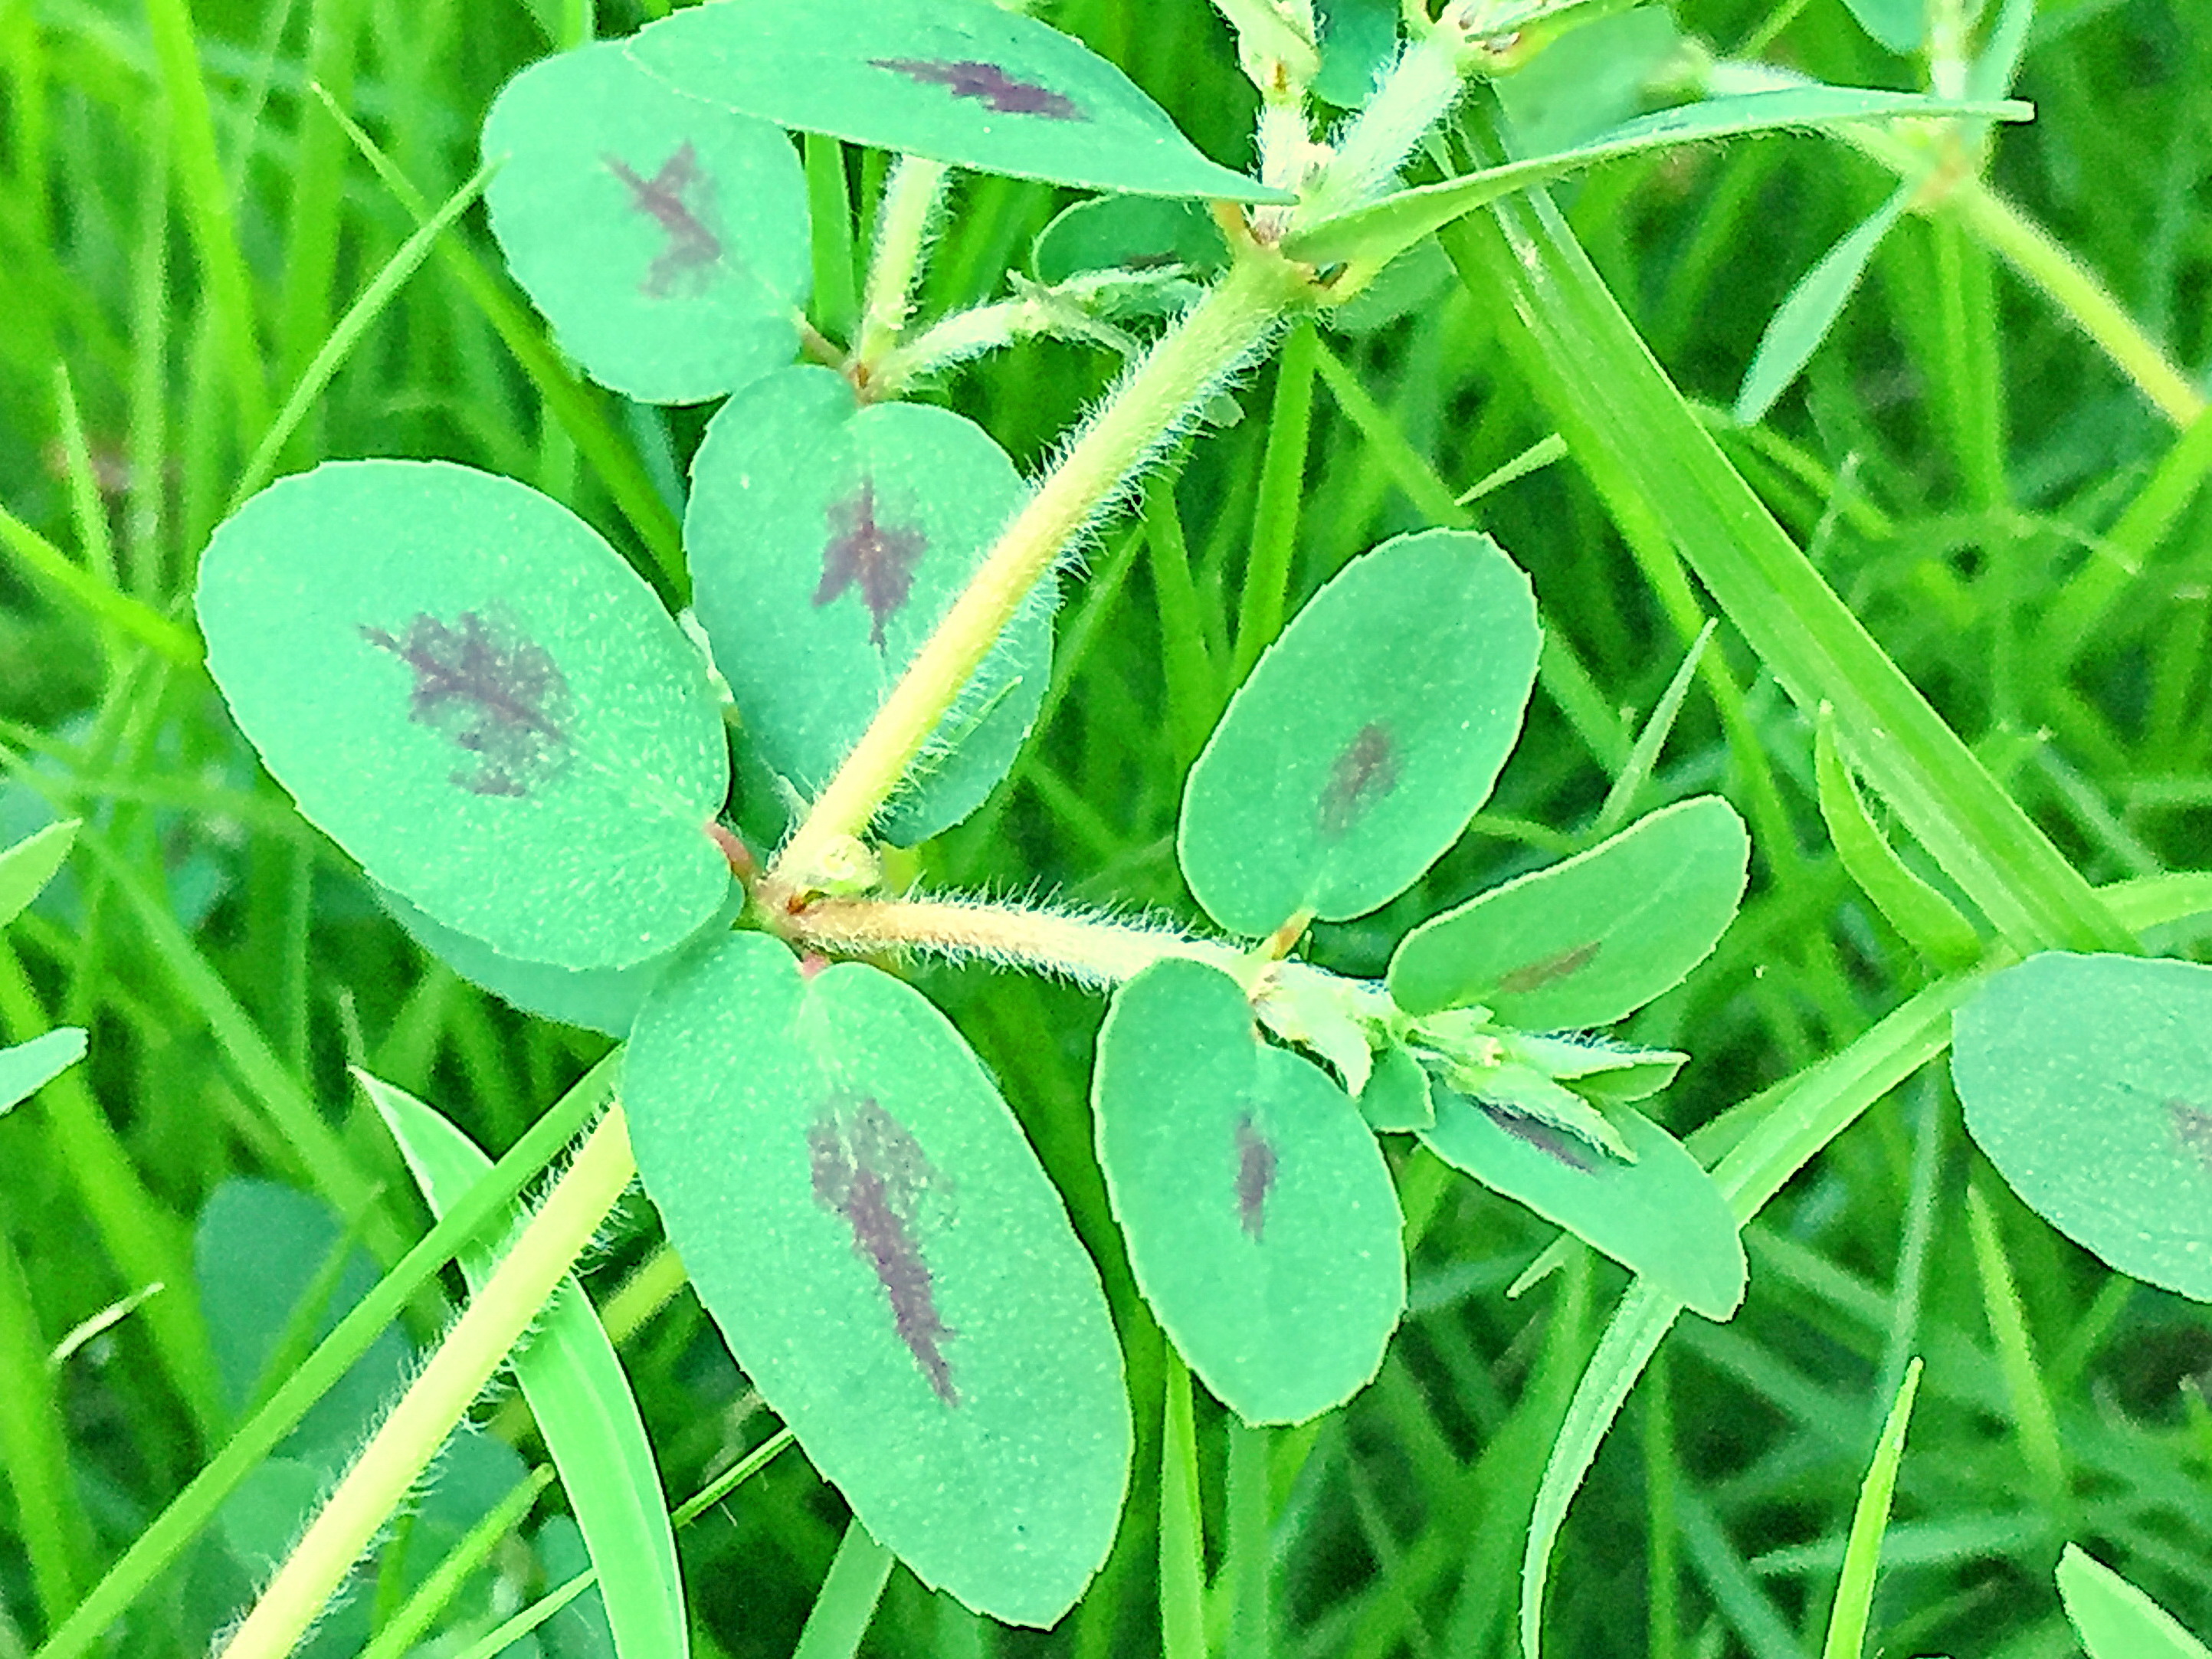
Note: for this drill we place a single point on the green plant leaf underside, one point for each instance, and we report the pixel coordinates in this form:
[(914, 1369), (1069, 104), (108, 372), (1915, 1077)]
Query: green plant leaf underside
[(579, 1398), (1661, 1216), (1385, 227), (30, 864), (1366, 737), (469, 690), (827, 540), (665, 239), (2087, 1080), (863, 1218), (1591, 941), (958, 81), (29, 1067), (2115, 1619), (1261, 1224)]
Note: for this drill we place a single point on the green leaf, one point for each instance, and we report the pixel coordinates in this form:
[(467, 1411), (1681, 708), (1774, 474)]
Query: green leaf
[(2116, 1619), (1366, 736), (1261, 1224), (1931, 925), (603, 1000), (1900, 25), (1661, 1216), (1386, 227), (476, 698), (1129, 233), (827, 540), (1358, 39), (2087, 1080), (958, 81), (1847, 1620), (1803, 320), (865, 1220), (30, 864), (1396, 1097), (29, 1067), (1591, 941), (578, 1396), (665, 239)]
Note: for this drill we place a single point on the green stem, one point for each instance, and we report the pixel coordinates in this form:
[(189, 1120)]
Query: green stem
[(1212, 339), (910, 204), (396, 1456)]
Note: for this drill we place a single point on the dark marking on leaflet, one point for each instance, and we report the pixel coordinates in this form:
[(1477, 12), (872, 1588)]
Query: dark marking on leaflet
[(968, 77), (1534, 1132), (874, 557), (1256, 1175), (1363, 773), (2192, 1129), (1538, 974), (869, 1170), (692, 249), (493, 690)]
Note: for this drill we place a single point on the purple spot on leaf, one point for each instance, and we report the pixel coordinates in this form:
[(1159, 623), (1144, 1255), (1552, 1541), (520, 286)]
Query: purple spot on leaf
[(968, 77), (1256, 1177), (1534, 974), (692, 248), (874, 557), (869, 1170), (2192, 1129), (493, 690), (1559, 1147), (1366, 772)]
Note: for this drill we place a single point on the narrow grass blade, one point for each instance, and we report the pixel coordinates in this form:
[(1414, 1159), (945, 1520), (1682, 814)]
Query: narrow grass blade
[(160, 1544), (2116, 1619), (42, 559), (1183, 1535), (1930, 922), (829, 211), (49, 1520), (1275, 515), (1847, 1621), (1644, 450), (847, 1599), (580, 1399), (2033, 1419), (1394, 224), (1644, 755), (1248, 1564), (360, 317), (1811, 309), (30, 864), (412, 1622)]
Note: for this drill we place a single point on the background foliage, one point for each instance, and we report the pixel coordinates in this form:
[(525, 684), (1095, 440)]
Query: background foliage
[(181, 224)]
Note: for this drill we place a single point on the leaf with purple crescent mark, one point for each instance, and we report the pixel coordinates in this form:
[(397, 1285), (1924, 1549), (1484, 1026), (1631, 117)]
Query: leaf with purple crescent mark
[(968, 77), (693, 249), (497, 694), (877, 558), (1256, 1177), (1363, 773)]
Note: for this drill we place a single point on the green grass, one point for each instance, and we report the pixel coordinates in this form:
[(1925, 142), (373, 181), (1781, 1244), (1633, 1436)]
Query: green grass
[(189, 233)]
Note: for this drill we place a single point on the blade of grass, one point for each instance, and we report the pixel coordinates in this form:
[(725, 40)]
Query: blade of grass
[(2033, 1422), (2115, 1619), (360, 317), (1192, 686), (1182, 1532), (847, 1599), (829, 211), (581, 1400), (1636, 771), (49, 1521), (1648, 455), (1805, 316), (159, 1545), (1847, 1621), (1275, 514), (1247, 1562), (207, 211), (1929, 922), (42, 559)]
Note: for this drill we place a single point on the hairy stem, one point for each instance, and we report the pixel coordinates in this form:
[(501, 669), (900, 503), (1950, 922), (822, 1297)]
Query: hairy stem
[(396, 1456), (911, 198), (1212, 339), (1091, 950)]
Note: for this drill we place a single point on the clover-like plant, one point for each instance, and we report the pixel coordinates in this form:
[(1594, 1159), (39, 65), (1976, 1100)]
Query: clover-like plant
[(501, 720)]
